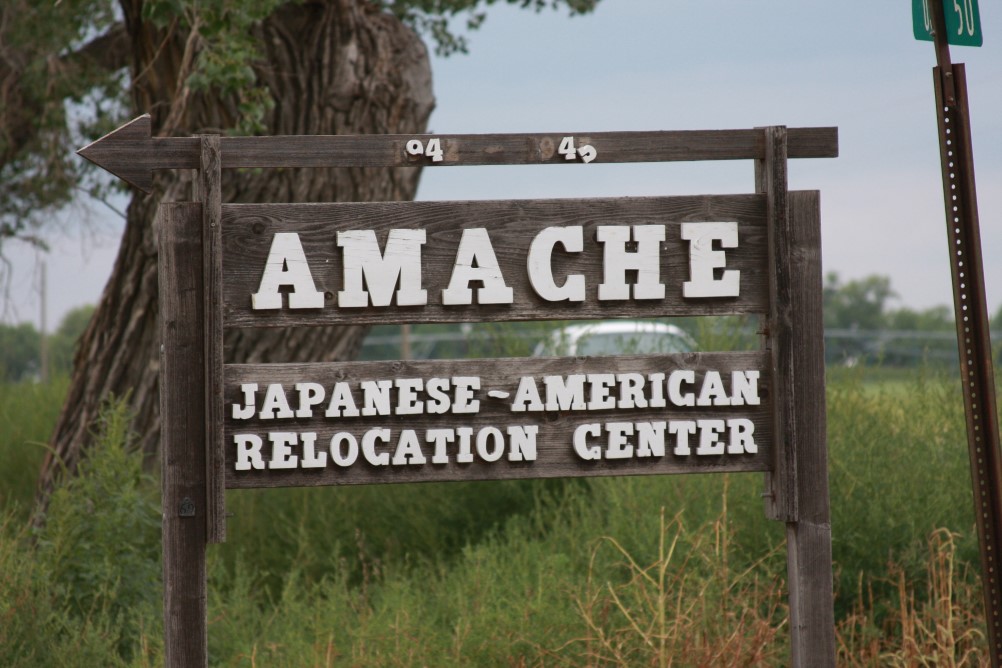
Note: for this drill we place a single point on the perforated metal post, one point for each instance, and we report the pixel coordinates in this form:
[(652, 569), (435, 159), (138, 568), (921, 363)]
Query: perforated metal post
[(971, 313)]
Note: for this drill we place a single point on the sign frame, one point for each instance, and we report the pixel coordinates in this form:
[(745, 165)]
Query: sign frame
[(193, 320)]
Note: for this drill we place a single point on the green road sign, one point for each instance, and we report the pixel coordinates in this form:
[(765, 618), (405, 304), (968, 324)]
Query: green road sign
[(963, 22)]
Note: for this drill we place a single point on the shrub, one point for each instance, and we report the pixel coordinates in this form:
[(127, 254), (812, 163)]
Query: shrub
[(99, 548)]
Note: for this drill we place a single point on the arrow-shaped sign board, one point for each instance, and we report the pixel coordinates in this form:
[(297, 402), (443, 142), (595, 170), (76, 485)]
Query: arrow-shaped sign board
[(132, 153)]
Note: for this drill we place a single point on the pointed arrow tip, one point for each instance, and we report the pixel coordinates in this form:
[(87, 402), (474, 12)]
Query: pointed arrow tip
[(125, 153)]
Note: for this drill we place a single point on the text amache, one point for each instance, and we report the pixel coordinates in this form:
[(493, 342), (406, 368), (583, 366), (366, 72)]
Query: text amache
[(391, 274)]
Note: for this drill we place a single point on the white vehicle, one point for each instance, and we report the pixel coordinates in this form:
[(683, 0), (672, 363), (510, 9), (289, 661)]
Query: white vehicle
[(622, 337)]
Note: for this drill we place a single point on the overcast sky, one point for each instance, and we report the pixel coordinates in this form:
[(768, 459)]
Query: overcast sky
[(669, 65)]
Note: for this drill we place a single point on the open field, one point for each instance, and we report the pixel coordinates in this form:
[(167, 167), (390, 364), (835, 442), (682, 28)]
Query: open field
[(627, 571)]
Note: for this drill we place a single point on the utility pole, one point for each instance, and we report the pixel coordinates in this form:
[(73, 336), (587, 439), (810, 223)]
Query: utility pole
[(43, 352)]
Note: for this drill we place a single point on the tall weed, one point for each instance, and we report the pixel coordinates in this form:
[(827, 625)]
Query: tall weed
[(942, 626), (35, 629), (687, 611), (899, 470)]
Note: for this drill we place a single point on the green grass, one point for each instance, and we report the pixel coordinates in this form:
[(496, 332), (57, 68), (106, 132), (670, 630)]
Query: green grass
[(28, 412), (605, 571)]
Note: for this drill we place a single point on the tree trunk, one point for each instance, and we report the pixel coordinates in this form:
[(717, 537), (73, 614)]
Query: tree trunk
[(334, 67)]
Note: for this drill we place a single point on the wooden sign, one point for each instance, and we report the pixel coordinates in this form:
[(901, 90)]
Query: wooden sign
[(269, 265), (388, 262), (380, 422)]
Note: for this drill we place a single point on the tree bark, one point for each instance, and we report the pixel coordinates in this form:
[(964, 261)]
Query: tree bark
[(332, 67)]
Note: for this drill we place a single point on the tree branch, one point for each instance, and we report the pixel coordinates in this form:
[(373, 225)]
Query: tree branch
[(109, 52), (19, 112)]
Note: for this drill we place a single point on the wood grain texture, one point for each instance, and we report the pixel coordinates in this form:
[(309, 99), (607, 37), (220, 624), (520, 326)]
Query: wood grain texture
[(517, 149), (182, 410), (771, 177), (809, 558), (555, 455), (210, 196), (132, 154), (248, 232)]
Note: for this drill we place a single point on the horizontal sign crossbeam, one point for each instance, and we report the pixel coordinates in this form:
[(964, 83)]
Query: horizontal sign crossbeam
[(132, 153)]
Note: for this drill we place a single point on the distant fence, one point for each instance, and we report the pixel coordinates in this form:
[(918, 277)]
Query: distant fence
[(894, 347), (846, 347)]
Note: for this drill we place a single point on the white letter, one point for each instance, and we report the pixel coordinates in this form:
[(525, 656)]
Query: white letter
[(369, 439), (464, 456), (619, 447), (712, 392), (248, 452), (281, 453), (708, 443), (376, 394), (494, 434), (522, 443), (617, 260), (631, 390), (541, 268), (581, 447), (310, 394), (601, 383), (744, 388), (343, 459), (407, 403), (657, 383), (286, 265), (683, 429), (565, 393), (348, 459), (703, 260), (311, 458), (475, 261), (275, 404), (342, 404), (245, 412), (742, 436), (675, 380), (464, 393), (408, 450), (441, 438), (400, 263), (526, 396), (651, 439), (438, 400)]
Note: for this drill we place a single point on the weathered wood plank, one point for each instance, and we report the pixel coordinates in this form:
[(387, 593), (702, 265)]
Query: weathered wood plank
[(517, 149), (809, 553), (781, 497), (210, 195), (182, 433), (498, 381), (132, 154), (248, 231)]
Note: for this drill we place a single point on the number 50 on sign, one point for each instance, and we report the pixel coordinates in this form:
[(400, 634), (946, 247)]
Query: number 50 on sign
[(963, 21)]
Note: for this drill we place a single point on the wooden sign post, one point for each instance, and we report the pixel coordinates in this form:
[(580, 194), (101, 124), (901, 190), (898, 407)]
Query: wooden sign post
[(274, 425)]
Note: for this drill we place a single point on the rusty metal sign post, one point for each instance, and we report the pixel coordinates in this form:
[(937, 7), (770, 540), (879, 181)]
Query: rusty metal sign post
[(971, 312)]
